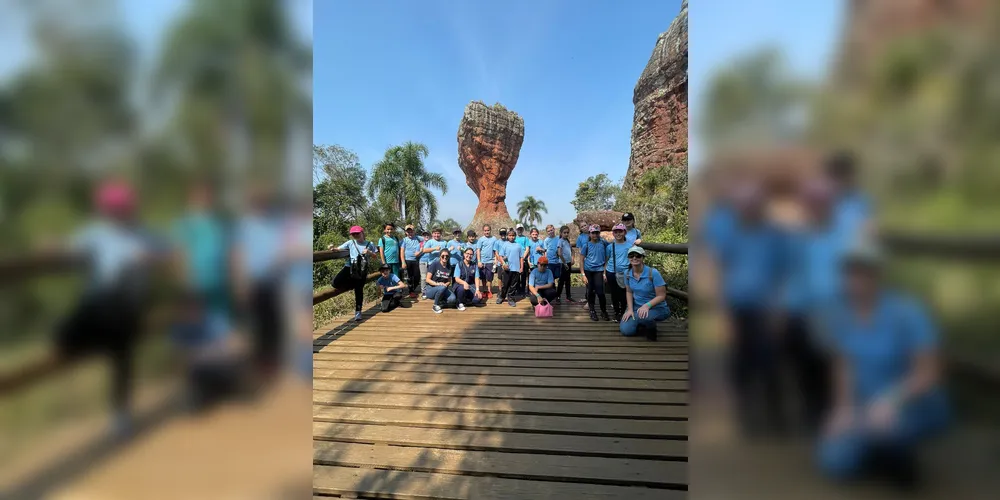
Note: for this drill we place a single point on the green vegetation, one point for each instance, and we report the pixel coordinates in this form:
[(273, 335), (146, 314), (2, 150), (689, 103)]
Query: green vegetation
[(401, 182), (596, 193), (529, 211)]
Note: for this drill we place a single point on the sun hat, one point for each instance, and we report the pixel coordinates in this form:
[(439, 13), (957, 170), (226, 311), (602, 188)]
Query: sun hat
[(356, 229), (618, 227), (543, 260), (594, 228), (638, 250)]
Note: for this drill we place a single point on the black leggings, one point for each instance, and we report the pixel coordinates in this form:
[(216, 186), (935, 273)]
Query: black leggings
[(564, 281), (754, 371), (508, 287), (344, 281), (811, 367), (413, 275), (595, 286), (548, 294), (618, 301), (391, 300)]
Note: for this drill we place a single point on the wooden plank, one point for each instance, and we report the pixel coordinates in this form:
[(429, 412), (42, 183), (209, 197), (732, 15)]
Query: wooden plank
[(405, 485), (465, 353), (501, 370), (595, 471), (581, 426), (505, 392), (512, 442), (511, 347), (593, 344), (523, 407), (504, 380), (510, 334), (600, 365)]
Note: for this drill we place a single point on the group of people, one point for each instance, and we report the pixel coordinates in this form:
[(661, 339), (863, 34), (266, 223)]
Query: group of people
[(865, 357), (459, 274)]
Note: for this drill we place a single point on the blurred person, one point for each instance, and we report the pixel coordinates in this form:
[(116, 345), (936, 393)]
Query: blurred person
[(300, 284), (388, 248), (562, 271), (109, 313), (888, 393), (522, 240), (438, 280), (455, 248), (615, 269), (853, 206), (541, 284), (392, 288), (594, 256), (411, 246), (429, 254), (486, 258), (512, 261), (751, 264), (643, 285), (467, 282), (632, 234), (354, 274)]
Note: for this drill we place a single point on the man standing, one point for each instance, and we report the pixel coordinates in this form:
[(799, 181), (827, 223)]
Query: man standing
[(522, 240), (513, 261), (486, 257), (411, 255)]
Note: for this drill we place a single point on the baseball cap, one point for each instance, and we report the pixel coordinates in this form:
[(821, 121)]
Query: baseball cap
[(519, 226), (409, 226), (543, 260), (638, 250), (864, 253), (618, 227), (384, 267), (470, 233), (457, 230), (628, 216), (594, 228), (355, 230), (503, 230)]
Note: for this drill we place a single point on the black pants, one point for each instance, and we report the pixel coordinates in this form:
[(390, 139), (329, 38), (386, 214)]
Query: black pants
[(104, 323), (344, 281), (508, 286), (391, 301), (595, 286), (522, 287), (754, 371), (811, 369), (548, 294), (265, 314), (413, 277), (618, 301), (564, 281)]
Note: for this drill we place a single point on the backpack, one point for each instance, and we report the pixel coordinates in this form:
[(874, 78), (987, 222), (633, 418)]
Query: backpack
[(359, 268)]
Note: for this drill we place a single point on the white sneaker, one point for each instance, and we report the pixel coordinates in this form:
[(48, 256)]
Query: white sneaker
[(461, 307), (357, 316), (437, 309)]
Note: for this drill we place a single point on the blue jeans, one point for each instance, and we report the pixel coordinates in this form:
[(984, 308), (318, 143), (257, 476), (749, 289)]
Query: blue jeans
[(628, 328), (467, 296), (438, 293)]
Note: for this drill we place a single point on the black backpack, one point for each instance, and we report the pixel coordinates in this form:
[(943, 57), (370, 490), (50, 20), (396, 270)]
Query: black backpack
[(359, 268)]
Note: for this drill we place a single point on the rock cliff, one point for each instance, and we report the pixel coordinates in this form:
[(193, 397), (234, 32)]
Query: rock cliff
[(489, 142)]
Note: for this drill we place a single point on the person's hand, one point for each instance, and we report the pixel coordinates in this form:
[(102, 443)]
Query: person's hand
[(543, 302), (584, 276), (643, 311), (481, 265), (627, 316), (478, 295), (881, 415), (841, 420), (605, 276), (331, 246)]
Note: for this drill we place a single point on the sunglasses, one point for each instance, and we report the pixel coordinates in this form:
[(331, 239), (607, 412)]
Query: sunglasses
[(635, 256)]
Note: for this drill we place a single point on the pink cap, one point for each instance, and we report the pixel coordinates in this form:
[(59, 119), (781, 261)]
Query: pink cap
[(115, 196), (618, 227), (594, 228), (356, 229)]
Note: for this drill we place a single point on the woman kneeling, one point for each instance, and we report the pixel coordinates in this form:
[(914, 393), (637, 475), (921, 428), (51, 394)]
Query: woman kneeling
[(645, 296)]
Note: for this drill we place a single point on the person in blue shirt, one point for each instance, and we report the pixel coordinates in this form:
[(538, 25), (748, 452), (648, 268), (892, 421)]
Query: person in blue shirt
[(358, 248), (888, 396), (523, 240), (486, 258), (560, 248), (411, 245), (532, 249), (541, 283), (632, 234), (615, 269), (455, 247), (467, 282), (581, 241), (388, 248), (392, 288), (430, 253), (645, 297), (439, 280), (471, 242), (853, 209), (594, 256), (512, 261)]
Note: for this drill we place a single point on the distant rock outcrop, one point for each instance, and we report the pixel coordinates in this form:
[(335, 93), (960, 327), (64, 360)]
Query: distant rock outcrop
[(605, 219), (489, 142), (660, 124)]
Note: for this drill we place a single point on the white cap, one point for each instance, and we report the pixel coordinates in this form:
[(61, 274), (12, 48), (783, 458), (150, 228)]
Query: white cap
[(519, 226)]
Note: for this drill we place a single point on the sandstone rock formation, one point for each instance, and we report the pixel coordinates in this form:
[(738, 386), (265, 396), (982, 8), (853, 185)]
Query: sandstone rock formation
[(660, 123), (606, 219), (489, 142)]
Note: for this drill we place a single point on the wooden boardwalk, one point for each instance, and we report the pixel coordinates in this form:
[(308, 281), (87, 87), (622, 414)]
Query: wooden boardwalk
[(493, 403)]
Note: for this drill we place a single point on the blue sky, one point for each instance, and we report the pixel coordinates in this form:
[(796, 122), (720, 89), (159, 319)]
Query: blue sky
[(720, 30), (390, 72)]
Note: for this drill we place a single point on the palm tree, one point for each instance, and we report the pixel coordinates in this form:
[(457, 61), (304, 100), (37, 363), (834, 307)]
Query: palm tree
[(402, 179), (530, 211)]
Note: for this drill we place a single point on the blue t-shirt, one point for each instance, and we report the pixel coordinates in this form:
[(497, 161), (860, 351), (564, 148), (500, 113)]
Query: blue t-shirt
[(356, 249), (487, 245), (566, 251), (617, 256), (387, 282), (594, 255), (523, 241), (202, 238), (631, 235), (644, 288), (532, 251), (538, 278), (752, 262), (433, 256), (439, 273), (411, 246), (260, 240), (468, 274), (551, 245), (851, 212), (455, 248), (582, 239), (389, 245), (512, 253)]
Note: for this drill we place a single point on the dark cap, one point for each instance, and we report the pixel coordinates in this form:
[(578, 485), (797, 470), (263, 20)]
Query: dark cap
[(457, 230), (470, 233), (503, 230), (384, 267), (628, 216)]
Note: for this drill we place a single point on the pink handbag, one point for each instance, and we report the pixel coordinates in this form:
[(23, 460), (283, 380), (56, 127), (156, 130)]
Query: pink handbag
[(543, 311)]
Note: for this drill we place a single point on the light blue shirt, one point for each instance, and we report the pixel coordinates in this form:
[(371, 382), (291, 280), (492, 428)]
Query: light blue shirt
[(752, 263), (523, 241), (260, 241), (552, 249), (566, 251), (512, 253), (433, 256), (203, 240), (532, 249), (617, 254), (112, 251), (594, 255), (455, 247), (644, 288), (390, 247), (355, 248), (538, 278), (387, 282), (411, 246), (487, 245), (631, 235)]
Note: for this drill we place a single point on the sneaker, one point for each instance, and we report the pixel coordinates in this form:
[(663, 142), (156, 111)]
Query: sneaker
[(593, 315), (461, 307), (357, 316), (423, 297), (512, 303), (500, 300), (604, 316), (413, 295), (437, 309), (557, 301), (617, 318), (651, 333)]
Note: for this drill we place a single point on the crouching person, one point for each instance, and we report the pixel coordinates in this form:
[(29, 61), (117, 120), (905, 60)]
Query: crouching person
[(467, 282), (645, 297), (541, 283), (392, 288)]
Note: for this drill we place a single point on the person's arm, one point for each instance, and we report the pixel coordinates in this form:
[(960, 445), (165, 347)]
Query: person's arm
[(638, 236), (458, 279), (381, 249), (660, 286), (926, 368), (479, 256)]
